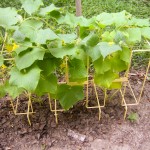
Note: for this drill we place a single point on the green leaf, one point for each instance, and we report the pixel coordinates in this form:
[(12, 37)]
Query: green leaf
[(139, 22), (117, 64), (105, 19), (105, 80), (77, 70), (67, 38), (48, 9), (84, 22), (69, 95), (115, 85), (125, 54), (134, 35), (120, 18), (27, 79), (146, 32), (91, 40), (13, 90), (47, 85), (80, 54), (8, 17), (108, 36), (60, 52), (45, 34), (107, 49), (18, 36), (1, 60), (93, 52), (23, 47), (26, 59), (102, 65), (47, 65), (84, 32), (133, 116), (119, 37), (69, 19), (30, 28), (31, 6)]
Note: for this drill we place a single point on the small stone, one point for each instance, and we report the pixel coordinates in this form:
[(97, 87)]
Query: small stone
[(76, 136)]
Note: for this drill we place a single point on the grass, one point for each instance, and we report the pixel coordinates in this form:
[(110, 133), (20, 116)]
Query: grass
[(139, 8)]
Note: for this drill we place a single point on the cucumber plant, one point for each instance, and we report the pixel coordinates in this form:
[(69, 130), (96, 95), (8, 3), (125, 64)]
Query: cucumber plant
[(44, 40)]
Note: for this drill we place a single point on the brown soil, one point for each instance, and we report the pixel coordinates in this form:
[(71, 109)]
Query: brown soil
[(112, 132)]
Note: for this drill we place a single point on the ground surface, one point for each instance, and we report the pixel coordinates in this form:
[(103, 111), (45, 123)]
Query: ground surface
[(78, 128)]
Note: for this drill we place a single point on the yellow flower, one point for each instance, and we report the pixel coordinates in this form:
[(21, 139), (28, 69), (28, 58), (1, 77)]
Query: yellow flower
[(15, 46), (3, 67), (11, 47)]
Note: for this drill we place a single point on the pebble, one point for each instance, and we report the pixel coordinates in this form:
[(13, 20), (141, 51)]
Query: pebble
[(76, 135)]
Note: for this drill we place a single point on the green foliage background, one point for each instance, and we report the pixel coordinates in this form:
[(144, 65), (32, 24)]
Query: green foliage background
[(139, 8)]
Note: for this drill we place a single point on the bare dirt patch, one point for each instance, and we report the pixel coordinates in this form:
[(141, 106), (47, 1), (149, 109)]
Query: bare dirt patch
[(112, 132)]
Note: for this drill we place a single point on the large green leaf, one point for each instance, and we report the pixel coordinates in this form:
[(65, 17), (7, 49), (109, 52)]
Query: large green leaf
[(105, 80), (134, 35), (139, 22), (48, 65), (45, 34), (102, 65), (47, 85), (108, 36), (27, 58), (69, 19), (30, 28), (93, 52), (77, 70), (27, 79), (107, 49), (146, 32), (31, 6), (91, 40), (80, 54), (69, 95), (23, 47), (63, 51), (125, 54), (8, 17), (67, 38), (18, 36), (105, 19), (117, 64), (120, 18), (48, 9), (12, 90), (115, 85), (1, 60)]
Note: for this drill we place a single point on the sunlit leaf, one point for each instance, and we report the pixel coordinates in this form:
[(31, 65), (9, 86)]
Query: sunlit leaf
[(48, 9), (145, 32), (8, 17), (26, 59), (134, 35), (31, 6), (27, 79)]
